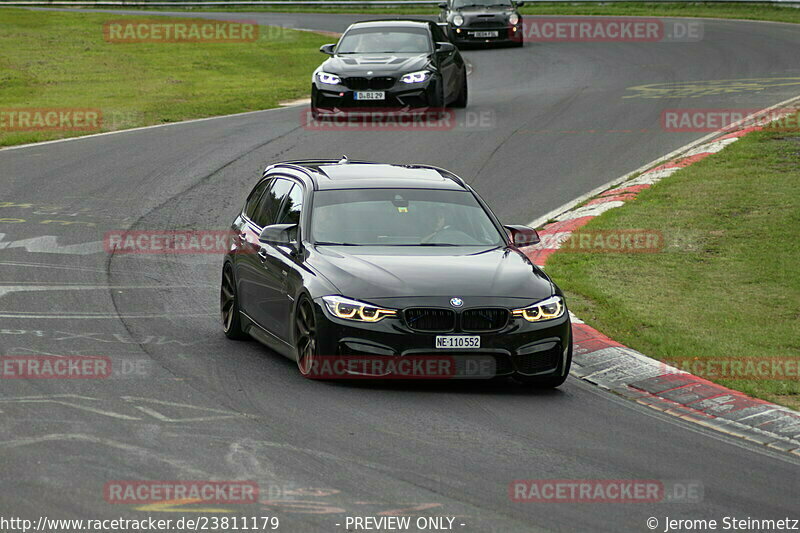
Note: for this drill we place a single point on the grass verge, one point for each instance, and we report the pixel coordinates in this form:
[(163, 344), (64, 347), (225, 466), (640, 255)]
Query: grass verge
[(726, 286), (61, 60), (677, 9)]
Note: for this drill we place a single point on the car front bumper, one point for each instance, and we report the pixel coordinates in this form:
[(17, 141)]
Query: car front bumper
[(332, 99), (530, 349), (467, 35)]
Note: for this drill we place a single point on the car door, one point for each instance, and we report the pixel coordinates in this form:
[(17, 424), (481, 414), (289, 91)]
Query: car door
[(447, 64), (256, 283), (288, 277), (245, 235)]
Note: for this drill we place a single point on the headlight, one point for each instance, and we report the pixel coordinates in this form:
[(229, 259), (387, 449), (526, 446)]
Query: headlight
[(416, 77), (458, 20), (342, 307), (548, 309), (331, 79), (513, 19)]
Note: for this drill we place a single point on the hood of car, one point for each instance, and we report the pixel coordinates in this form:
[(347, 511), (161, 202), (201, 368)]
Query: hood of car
[(504, 11), (367, 65), (377, 272), (473, 15)]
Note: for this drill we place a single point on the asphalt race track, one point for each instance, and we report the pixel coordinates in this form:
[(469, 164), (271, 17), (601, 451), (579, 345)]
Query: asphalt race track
[(563, 119)]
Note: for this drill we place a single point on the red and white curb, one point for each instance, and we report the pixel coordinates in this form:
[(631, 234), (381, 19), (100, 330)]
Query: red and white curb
[(610, 365)]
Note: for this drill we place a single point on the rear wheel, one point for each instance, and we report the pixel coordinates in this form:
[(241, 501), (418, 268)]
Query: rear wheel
[(229, 306), (305, 335)]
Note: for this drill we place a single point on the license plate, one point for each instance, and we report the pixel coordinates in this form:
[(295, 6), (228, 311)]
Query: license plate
[(458, 342), (371, 95), (485, 34)]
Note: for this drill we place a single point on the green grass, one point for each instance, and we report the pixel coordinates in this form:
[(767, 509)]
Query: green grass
[(682, 9), (727, 284), (62, 60)]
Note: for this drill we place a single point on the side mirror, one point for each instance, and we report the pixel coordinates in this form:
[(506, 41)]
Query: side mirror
[(522, 235), (280, 236), (519, 4), (327, 49), (442, 5), (445, 47)]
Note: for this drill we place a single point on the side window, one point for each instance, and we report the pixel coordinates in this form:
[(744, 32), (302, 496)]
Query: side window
[(267, 210), (255, 196), (290, 214)]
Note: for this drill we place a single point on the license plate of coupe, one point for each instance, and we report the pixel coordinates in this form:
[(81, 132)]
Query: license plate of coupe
[(370, 95), (459, 342), (484, 34)]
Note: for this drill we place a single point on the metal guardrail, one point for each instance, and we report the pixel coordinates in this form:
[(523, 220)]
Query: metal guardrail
[(342, 3)]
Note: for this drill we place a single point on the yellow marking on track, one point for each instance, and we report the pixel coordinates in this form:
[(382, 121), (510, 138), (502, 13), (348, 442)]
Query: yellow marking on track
[(174, 506)]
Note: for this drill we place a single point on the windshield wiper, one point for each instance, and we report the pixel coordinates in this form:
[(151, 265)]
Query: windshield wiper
[(428, 244), (328, 243)]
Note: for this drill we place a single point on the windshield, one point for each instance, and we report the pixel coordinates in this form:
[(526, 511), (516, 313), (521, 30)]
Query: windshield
[(460, 4), (384, 40), (401, 217)]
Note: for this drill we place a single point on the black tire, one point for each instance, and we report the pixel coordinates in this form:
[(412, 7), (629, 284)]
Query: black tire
[(518, 44), (550, 382), (437, 102), (461, 101), (314, 109), (305, 338), (229, 306)]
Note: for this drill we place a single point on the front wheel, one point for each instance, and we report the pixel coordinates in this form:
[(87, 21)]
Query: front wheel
[(461, 101), (305, 338), (436, 98), (229, 306)]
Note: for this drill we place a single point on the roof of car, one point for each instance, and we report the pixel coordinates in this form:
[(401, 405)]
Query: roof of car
[(392, 22), (343, 174)]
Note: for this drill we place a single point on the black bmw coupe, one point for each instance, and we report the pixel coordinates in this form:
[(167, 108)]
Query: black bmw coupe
[(388, 65), (388, 264)]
